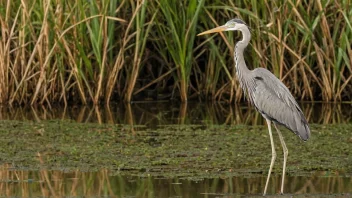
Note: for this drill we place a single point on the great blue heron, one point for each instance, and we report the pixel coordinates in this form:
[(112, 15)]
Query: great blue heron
[(268, 94)]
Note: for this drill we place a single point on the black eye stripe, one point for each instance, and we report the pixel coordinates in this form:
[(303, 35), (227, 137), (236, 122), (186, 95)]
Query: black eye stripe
[(236, 20)]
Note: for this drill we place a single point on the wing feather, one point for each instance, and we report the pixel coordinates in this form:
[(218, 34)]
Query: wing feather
[(275, 102)]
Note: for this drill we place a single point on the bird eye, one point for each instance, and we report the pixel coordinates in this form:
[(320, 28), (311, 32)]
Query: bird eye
[(230, 24)]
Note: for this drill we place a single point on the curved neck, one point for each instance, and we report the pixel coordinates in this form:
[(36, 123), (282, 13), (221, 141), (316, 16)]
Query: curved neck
[(241, 67), (246, 36)]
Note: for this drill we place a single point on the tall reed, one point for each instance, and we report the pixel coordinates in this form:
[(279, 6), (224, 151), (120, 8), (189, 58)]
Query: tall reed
[(298, 42), (142, 28), (178, 31), (99, 51)]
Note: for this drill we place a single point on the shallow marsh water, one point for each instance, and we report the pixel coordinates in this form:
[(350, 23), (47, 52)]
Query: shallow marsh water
[(169, 150), (103, 184)]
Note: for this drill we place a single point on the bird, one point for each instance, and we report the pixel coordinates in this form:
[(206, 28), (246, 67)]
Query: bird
[(270, 97)]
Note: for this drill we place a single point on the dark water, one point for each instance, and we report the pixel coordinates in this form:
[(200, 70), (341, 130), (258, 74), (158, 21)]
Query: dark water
[(161, 113), (102, 184)]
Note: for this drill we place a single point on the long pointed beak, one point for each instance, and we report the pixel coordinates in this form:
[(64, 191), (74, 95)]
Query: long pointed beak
[(217, 29)]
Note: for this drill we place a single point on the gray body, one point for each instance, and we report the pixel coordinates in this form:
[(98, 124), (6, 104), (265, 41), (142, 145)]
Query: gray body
[(267, 93)]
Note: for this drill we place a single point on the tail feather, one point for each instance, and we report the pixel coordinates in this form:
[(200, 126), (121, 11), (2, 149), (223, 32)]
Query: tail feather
[(303, 131), (302, 128)]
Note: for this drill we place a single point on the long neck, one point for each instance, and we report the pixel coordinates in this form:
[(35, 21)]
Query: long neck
[(241, 67)]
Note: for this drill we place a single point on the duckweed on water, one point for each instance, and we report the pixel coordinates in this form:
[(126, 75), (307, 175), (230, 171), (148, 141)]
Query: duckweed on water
[(172, 150)]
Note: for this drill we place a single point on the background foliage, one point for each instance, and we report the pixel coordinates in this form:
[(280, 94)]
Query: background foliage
[(97, 51)]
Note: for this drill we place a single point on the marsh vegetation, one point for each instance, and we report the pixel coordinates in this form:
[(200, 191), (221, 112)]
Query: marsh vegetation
[(162, 149), (97, 51)]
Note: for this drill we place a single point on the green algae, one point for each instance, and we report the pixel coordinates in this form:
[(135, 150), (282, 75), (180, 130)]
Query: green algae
[(191, 151)]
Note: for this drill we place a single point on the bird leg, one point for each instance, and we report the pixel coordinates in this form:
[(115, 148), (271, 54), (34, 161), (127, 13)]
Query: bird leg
[(285, 150), (273, 155)]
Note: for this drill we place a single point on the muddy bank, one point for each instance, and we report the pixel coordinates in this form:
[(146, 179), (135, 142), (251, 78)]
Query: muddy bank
[(196, 151)]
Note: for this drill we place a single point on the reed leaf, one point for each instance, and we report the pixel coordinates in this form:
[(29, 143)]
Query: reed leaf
[(82, 52), (181, 19)]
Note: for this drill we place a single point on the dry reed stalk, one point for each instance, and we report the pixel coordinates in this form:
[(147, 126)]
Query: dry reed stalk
[(142, 31), (41, 51), (119, 61), (27, 74), (137, 53), (112, 77), (102, 69), (326, 89), (297, 56), (46, 55), (324, 71), (75, 72), (6, 35)]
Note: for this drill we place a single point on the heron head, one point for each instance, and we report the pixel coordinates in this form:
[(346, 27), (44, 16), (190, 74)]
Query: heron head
[(233, 24)]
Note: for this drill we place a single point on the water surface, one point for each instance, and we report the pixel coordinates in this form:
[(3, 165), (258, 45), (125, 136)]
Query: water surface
[(103, 184), (169, 150), (161, 113)]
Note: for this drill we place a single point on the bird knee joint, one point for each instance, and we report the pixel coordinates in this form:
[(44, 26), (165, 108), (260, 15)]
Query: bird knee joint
[(273, 155)]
